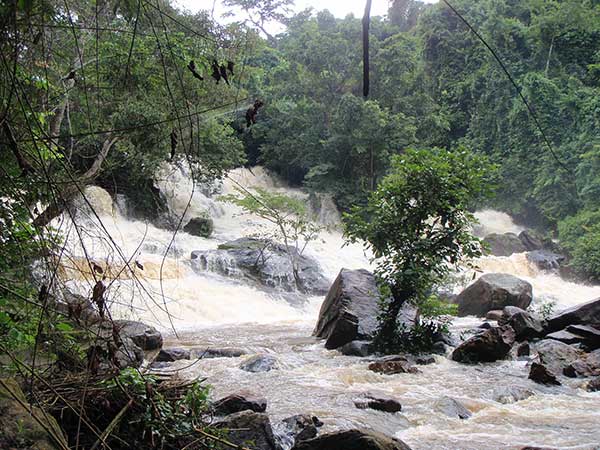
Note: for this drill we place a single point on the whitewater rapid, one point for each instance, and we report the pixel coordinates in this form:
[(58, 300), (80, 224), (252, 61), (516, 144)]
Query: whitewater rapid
[(211, 310)]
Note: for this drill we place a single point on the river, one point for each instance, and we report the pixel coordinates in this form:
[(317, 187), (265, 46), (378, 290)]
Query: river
[(206, 309)]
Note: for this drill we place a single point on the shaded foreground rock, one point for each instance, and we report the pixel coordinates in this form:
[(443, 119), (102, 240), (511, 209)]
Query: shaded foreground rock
[(264, 262), (452, 408), (241, 401), (350, 309), (357, 439), (249, 426), (260, 363), (25, 428), (489, 346), (493, 291), (540, 374), (378, 402)]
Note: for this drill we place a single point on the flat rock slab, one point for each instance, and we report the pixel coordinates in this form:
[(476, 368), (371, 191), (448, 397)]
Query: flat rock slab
[(584, 314)]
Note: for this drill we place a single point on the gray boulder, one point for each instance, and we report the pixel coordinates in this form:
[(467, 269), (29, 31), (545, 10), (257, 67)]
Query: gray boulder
[(590, 335), (263, 262), (357, 439), (239, 402), (249, 426), (356, 348), (199, 226), (588, 365), (546, 260), (350, 309), (452, 408), (531, 240), (260, 363), (494, 291), (525, 324), (300, 427), (145, 336), (556, 355), (172, 354), (504, 244), (584, 314), (489, 346), (511, 394)]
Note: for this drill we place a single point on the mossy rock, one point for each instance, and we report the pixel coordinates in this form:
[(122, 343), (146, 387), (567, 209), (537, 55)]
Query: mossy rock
[(200, 226)]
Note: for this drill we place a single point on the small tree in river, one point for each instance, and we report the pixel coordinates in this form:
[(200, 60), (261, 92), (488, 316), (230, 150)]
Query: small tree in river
[(417, 225)]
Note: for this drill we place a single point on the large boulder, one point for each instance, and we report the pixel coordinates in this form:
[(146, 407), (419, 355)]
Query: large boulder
[(452, 408), (556, 355), (588, 365), (511, 394), (350, 309), (494, 291), (546, 260), (583, 314), (504, 244), (264, 262), (23, 426), (531, 241), (357, 439), (145, 336), (525, 324), (249, 426), (489, 346), (262, 362)]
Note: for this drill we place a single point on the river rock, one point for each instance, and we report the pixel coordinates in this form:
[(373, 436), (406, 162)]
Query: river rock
[(540, 374), (357, 439), (300, 428), (392, 367), (511, 394), (350, 309), (588, 365), (494, 314), (172, 354), (264, 262), (489, 346), (260, 363), (129, 354), (531, 240), (452, 408), (504, 244), (76, 306), (546, 260), (23, 426), (144, 336), (239, 402), (199, 226), (525, 324), (593, 385), (378, 402), (356, 348), (249, 426), (584, 314), (524, 349), (494, 291), (556, 355), (565, 336), (590, 335), (214, 352)]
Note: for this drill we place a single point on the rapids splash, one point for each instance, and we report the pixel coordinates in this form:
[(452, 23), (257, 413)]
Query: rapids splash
[(210, 310)]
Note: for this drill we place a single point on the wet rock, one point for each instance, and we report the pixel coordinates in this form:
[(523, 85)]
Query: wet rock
[(489, 346), (494, 314), (129, 354), (531, 240), (511, 394), (301, 427), (199, 226), (556, 355), (356, 348), (590, 335), (25, 427), (546, 260), (249, 426), (350, 309), (213, 352), (524, 349), (440, 348), (485, 326), (378, 402), (144, 336), (584, 314), (172, 354), (264, 262), (565, 336), (593, 385), (425, 360), (588, 365), (452, 408), (504, 244), (494, 291), (357, 439), (525, 324), (239, 402), (260, 363), (392, 367), (540, 374), (76, 306)]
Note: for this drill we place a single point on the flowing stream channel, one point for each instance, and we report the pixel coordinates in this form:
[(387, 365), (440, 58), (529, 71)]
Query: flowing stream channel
[(209, 310)]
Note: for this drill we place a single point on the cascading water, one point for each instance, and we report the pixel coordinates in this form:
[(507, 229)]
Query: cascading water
[(209, 310)]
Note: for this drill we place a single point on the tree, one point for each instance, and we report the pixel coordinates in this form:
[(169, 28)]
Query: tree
[(417, 224)]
